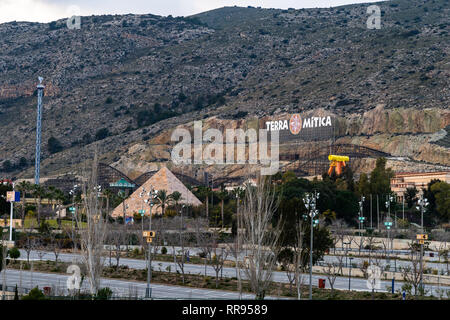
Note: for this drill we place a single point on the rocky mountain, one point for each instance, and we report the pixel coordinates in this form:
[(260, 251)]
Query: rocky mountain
[(121, 83)]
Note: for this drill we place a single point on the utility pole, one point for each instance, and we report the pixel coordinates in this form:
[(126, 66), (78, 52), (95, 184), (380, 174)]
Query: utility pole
[(310, 200), (72, 193), (350, 274), (423, 203), (152, 195), (361, 216), (11, 215), (40, 91), (371, 226), (388, 206), (403, 209), (378, 214)]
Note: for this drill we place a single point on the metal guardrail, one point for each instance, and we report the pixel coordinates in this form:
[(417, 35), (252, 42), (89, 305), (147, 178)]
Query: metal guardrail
[(386, 267)]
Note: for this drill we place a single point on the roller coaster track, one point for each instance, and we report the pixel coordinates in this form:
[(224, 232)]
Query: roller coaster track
[(108, 174), (317, 163), (182, 177), (314, 164)]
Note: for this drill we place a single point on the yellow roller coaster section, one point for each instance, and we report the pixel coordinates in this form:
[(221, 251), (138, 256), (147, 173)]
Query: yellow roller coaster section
[(337, 163), (332, 157)]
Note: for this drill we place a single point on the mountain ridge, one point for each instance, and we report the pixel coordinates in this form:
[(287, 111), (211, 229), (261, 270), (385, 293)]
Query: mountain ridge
[(137, 75)]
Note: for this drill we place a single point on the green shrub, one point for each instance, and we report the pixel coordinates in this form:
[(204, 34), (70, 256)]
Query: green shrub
[(34, 294), (163, 250), (14, 253), (104, 294)]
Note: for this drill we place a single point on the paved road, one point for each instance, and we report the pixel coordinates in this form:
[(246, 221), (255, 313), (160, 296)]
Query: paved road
[(121, 288), (394, 263), (341, 283)]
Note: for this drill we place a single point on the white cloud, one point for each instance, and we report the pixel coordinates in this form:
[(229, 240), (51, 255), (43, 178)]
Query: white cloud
[(50, 10), (30, 10)]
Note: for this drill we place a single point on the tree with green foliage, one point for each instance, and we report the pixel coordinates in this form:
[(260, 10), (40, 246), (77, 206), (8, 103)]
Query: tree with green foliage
[(7, 166), (38, 193), (441, 191), (363, 187), (431, 198), (1, 258), (104, 294), (222, 195), (14, 253), (16, 293), (54, 145), (101, 134), (346, 206), (34, 294), (411, 196), (4, 205), (380, 178), (290, 211), (23, 187)]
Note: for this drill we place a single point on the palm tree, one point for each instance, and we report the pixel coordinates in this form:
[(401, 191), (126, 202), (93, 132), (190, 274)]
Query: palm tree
[(175, 198), (38, 193), (222, 195), (162, 200), (108, 194), (51, 195), (203, 192), (59, 197), (24, 187)]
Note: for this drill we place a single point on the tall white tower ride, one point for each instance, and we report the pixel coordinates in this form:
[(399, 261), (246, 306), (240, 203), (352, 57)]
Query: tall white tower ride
[(40, 93)]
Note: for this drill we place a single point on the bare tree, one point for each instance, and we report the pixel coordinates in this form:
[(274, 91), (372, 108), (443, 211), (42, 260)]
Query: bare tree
[(217, 255), (286, 259), (180, 259), (30, 242), (331, 271), (372, 243), (117, 236), (359, 242), (258, 234), (411, 274), (338, 228), (202, 237), (298, 257), (92, 236), (56, 244)]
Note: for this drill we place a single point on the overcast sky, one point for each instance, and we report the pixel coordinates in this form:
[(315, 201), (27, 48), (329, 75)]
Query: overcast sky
[(50, 10)]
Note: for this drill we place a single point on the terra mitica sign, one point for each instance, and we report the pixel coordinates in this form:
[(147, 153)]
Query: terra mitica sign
[(296, 126)]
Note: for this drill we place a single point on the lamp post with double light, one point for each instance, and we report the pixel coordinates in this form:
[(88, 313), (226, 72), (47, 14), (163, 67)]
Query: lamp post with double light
[(72, 210), (361, 216), (388, 207), (310, 202), (152, 194), (422, 206)]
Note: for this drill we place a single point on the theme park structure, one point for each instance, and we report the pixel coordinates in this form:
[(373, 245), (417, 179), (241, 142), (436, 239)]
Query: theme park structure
[(317, 162)]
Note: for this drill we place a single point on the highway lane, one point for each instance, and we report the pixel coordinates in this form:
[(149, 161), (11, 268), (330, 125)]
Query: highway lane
[(341, 283), (120, 288)]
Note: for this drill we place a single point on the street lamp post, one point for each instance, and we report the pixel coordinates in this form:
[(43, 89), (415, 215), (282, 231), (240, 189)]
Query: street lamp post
[(350, 274), (152, 195), (361, 216), (141, 194), (310, 200), (346, 251), (423, 203), (72, 193), (388, 206)]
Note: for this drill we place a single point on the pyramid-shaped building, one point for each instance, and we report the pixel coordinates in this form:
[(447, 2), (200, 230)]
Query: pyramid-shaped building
[(164, 179)]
